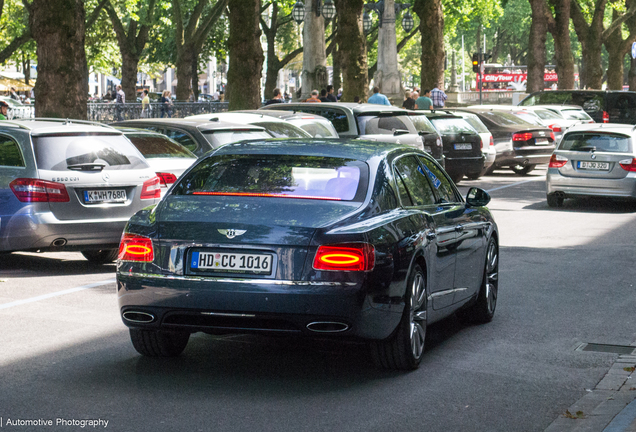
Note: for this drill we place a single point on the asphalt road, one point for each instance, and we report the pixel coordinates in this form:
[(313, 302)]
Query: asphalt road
[(566, 277)]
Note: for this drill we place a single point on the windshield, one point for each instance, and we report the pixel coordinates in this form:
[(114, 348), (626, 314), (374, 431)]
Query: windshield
[(528, 117), (282, 129), (505, 119), (219, 138), (474, 121), (547, 114), (277, 176), (602, 142), (575, 114), (59, 152), (159, 146), (382, 125), (422, 124), (449, 126)]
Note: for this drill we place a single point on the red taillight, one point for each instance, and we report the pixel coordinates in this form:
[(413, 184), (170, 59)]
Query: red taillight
[(555, 128), (151, 189), (628, 164), (552, 135), (522, 136), (36, 190), (166, 179), (481, 143), (605, 117), (134, 247), (557, 161), (492, 142), (345, 257)]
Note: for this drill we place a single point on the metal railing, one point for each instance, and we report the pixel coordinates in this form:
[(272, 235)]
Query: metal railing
[(488, 97), (111, 112), (20, 112)]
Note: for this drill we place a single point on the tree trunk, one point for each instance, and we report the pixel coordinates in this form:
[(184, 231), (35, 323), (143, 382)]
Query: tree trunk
[(591, 38), (615, 49), (195, 78), (129, 64), (631, 76), (592, 59), (337, 68), (314, 74), (184, 72), (562, 46), (352, 50), (536, 46), (58, 27), (246, 59), (432, 31)]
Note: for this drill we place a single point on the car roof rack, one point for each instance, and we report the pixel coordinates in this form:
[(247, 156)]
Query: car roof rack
[(69, 121)]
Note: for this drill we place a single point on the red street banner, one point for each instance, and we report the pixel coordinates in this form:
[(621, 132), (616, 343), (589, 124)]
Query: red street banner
[(519, 77)]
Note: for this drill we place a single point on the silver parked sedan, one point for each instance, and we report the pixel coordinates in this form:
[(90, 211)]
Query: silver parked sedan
[(69, 185), (593, 160)]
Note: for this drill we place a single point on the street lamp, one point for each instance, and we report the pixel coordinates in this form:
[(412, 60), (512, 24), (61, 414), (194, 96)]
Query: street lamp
[(298, 12), (366, 22), (407, 21), (328, 10)]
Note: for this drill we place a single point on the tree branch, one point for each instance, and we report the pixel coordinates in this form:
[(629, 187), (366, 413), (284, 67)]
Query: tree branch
[(407, 38), (618, 23), (193, 21), (209, 21), (92, 18), (14, 45), (289, 57)]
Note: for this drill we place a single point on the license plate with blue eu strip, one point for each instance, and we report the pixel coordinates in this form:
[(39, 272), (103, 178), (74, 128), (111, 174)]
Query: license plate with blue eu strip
[(230, 262)]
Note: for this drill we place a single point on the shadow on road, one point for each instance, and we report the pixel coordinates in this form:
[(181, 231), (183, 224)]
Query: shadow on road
[(36, 265), (588, 205)]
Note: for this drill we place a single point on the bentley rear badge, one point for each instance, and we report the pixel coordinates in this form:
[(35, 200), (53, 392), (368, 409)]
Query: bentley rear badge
[(231, 233)]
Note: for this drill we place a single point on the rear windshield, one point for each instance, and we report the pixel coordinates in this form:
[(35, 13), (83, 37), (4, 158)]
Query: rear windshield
[(448, 126), (602, 142), (474, 121), (282, 130), (319, 130), (219, 138), (528, 117), (381, 125), (575, 114), (422, 123), (86, 152), (280, 176), (505, 119), (158, 146)]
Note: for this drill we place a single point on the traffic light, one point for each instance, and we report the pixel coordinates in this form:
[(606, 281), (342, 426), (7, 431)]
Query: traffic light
[(476, 62)]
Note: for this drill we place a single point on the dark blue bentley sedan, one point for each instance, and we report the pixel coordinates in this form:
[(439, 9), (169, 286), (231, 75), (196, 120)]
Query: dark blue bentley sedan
[(348, 239)]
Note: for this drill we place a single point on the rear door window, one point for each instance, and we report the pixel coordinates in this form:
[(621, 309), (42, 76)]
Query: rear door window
[(10, 154), (182, 138), (277, 176), (86, 152), (381, 125), (158, 146), (422, 124), (601, 142), (442, 186), (338, 118), (413, 186)]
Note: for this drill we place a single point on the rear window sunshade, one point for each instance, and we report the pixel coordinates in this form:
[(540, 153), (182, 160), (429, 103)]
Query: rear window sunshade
[(282, 176)]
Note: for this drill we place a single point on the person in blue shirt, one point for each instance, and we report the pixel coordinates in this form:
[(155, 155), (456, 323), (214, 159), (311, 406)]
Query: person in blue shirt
[(378, 98)]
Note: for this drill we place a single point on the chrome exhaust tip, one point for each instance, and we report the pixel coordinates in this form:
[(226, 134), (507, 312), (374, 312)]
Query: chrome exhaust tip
[(138, 317), (327, 327), (59, 242)]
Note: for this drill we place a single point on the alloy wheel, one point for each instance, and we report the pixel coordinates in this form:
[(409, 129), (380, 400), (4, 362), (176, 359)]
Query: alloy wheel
[(418, 315)]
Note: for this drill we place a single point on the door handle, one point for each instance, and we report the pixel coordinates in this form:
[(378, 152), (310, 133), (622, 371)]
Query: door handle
[(459, 228), (431, 235)]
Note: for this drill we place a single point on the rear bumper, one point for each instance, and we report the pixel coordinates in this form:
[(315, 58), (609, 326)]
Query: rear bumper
[(37, 231), (577, 186), (465, 164), (233, 305), (525, 156)]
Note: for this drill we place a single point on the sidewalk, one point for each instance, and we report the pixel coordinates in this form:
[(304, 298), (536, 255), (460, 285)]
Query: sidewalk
[(610, 407)]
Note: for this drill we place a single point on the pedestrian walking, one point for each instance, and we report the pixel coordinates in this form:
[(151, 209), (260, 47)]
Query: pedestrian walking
[(378, 98), (276, 99), (145, 105), (439, 98), (120, 100), (314, 97), (424, 102), (408, 103), (4, 107), (166, 104), (323, 96), (330, 96)]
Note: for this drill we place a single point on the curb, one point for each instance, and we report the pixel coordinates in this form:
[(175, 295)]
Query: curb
[(607, 408)]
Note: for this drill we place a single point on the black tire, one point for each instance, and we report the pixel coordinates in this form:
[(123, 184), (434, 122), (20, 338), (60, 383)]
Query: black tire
[(473, 176), (455, 176), (488, 170), (157, 343), (104, 256), (483, 310), (522, 170), (404, 348), (554, 200)]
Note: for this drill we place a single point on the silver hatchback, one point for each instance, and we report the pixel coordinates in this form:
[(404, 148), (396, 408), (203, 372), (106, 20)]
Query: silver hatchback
[(67, 185), (593, 160)]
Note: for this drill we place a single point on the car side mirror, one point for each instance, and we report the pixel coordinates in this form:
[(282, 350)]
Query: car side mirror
[(477, 197)]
